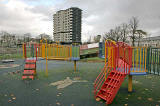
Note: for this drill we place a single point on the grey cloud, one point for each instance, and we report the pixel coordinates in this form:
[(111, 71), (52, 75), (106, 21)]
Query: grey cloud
[(114, 12), (102, 15)]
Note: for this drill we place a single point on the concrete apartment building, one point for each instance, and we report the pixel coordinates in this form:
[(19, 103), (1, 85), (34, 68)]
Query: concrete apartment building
[(67, 25)]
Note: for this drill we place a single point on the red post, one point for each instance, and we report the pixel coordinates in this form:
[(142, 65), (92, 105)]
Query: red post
[(124, 61), (25, 51), (36, 51)]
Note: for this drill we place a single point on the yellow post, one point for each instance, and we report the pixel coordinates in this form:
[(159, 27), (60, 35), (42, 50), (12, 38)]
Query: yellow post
[(46, 60), (63, 52), (112, 55), (130, 83), (145, 58), (109, 56), (105, 59), (133, 60), (70, 52), (75, 65), (137, 60), (140, 60), (53, 51), (43, 50), (105, 52), (23, 52)]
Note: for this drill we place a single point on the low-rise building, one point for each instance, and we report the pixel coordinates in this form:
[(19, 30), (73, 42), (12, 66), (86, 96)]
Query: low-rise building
[(149, 41)]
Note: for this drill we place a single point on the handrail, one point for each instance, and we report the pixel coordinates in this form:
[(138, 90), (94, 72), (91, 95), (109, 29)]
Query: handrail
[(98, 84), (101, 77), (111, 41)]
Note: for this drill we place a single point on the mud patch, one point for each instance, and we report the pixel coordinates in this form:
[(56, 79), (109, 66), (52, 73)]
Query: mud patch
[(64, 83), (9, 66)]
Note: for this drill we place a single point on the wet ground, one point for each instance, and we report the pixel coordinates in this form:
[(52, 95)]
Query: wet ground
[(40, 92)]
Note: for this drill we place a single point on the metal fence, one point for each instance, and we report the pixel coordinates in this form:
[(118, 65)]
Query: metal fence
[(52, 51), (154, 60), (11, 53), (139, 59)]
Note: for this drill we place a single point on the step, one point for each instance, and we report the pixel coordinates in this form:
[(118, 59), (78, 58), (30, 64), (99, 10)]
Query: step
[(116, 74), (107, 91), (111, 84), (29, 72), (27, 77), (102, 96), (30, 67), (112, 78), (31, 61)]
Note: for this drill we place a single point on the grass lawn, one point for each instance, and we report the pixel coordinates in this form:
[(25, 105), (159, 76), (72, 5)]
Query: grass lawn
[(93, 59), (16, 92), (88, 51)]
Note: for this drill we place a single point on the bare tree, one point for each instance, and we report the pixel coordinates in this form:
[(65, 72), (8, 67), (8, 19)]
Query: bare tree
[(117, 33), (133, 23), (89, 40), (97, 38), (110, 35), (114, 34), (124, 31), (27, 37), (141, 34)]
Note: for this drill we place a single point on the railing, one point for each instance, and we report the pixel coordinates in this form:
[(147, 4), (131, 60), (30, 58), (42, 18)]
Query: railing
[(122, 66), (139, 59), (52, 51), (124, 52), (59, 51), (11, 53), (30, 50), (110, 51), (124, 57), (101, 78), (153, 63)]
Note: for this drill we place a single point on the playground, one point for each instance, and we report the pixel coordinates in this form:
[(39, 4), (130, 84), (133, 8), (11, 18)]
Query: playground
[(17, 92), (57, 77)]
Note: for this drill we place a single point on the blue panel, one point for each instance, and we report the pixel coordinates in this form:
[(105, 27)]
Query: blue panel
[(75, 58), (138, 73), (101, 49), (102, 57)]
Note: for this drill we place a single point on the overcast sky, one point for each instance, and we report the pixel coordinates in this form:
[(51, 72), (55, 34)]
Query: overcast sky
[(98, 16)]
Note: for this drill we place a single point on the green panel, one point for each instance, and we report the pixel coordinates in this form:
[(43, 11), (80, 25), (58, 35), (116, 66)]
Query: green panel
[(75, 51)]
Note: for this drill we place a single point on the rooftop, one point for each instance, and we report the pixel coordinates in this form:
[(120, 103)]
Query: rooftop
[(151, 38)]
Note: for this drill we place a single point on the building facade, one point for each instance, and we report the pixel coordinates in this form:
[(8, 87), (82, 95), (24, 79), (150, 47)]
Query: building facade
[(7, 40), (67, 25), (148, 41), (151, 41)]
